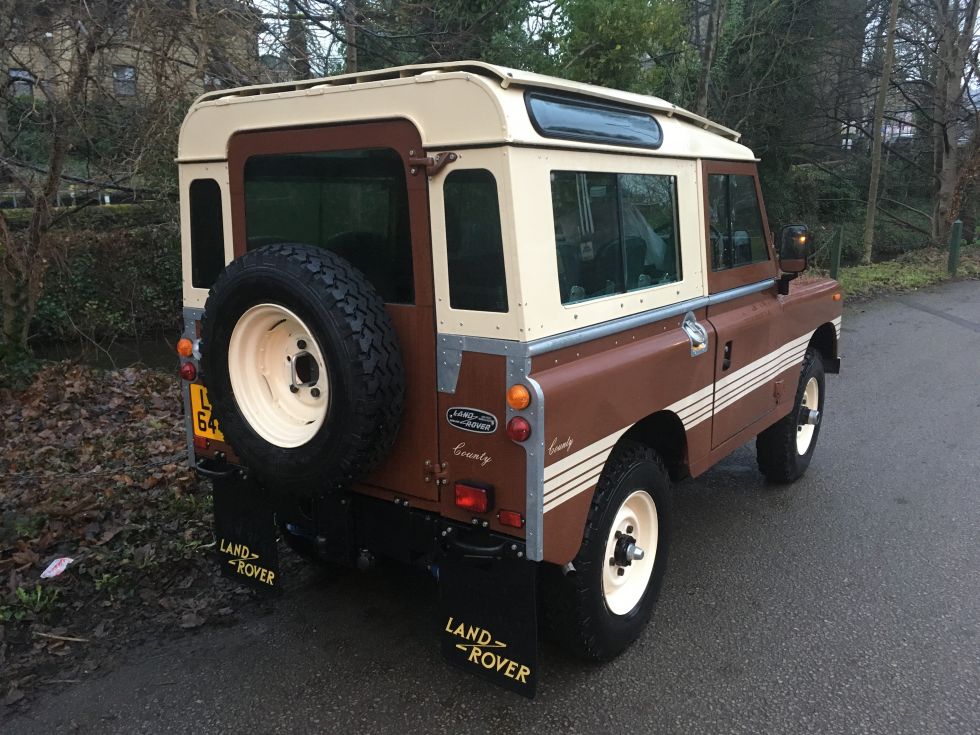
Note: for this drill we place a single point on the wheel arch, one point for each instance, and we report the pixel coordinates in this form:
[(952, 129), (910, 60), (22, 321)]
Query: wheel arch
[(663, 432), (824, 340)]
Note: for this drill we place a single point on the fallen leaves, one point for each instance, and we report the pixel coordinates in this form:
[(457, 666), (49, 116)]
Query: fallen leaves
[(94, 467)]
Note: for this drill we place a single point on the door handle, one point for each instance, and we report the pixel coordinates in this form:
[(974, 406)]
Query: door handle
[(696, 333), (726, 360)]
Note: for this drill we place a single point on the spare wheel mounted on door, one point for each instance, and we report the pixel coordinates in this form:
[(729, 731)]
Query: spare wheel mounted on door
[(302, 365)]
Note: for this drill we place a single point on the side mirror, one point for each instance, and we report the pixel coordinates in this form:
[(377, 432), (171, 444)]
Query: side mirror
[(794, 248)]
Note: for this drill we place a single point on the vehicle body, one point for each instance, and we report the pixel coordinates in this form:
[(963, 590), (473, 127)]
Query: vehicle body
[(607, 252)]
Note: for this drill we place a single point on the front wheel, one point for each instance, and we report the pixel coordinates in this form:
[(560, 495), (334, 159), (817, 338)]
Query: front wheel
[(784, 450), (601, 606)]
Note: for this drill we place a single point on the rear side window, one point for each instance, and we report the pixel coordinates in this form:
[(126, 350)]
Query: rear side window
[(735, 227), (207, 232), (614, 232), (474, 246), (352, 202)]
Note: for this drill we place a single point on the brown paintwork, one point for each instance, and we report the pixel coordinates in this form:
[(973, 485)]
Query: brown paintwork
[(402, 471)]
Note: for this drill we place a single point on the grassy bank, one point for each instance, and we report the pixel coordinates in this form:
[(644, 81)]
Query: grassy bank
[(909, 272)]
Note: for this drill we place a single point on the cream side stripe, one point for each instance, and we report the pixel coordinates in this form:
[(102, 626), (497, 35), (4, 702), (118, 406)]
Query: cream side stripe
[(571, 492), (555, 485), (578, 457), (739, 388)]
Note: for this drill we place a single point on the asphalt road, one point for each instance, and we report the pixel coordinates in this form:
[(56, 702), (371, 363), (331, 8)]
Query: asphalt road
[(848, 603)]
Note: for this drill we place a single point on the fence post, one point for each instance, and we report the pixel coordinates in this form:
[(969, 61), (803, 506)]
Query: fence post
[(835, 256), (954, 246)]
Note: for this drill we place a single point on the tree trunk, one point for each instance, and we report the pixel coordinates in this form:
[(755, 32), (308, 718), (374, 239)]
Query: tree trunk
[(886, 73), (297, 45), (350, 36), (956, 37), (708, 52)]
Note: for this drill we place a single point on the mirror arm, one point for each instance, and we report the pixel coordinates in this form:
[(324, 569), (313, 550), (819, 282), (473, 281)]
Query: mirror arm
[(783, 283)]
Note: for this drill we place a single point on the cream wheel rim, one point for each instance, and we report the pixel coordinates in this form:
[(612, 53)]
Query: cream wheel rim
[(631, 550), (810, 402), (278, 375)]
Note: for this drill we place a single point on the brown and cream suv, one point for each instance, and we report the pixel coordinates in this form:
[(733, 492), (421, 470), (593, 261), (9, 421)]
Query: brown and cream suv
[(479, 320)]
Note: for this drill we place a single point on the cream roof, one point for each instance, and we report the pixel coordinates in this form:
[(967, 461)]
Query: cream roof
[(452, 104)]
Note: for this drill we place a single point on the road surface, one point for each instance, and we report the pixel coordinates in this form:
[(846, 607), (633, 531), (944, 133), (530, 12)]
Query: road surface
[(848, 603)]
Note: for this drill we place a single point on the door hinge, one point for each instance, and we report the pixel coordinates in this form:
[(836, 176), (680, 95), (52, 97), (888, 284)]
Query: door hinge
[(432, 164), (434, 472)]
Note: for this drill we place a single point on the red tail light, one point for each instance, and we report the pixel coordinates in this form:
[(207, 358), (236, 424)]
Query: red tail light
[(188, 371), (201, 442), (518, 429), (510, 518), (472, 498)]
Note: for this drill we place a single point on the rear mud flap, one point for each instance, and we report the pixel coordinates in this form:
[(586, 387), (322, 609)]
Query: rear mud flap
[(488, 613), (246, 534)]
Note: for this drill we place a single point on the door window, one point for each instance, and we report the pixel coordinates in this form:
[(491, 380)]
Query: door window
[(351, 202), (736, 233), (614, 232)]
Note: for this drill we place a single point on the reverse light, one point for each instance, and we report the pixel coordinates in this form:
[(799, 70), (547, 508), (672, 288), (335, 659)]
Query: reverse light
[(472, 498), (518, 429), (510, 518), (518, 397), (185, 348), (188, 371)]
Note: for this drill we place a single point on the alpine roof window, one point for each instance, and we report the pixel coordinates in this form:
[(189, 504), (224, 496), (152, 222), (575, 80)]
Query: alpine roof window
[(570, 118)]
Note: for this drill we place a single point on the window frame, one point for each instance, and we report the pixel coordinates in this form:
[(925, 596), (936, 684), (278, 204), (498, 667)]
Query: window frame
[(729, 278), (17, 79), (121, 80)]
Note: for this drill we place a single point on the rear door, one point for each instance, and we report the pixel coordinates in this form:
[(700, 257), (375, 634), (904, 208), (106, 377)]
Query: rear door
[(350, 189), (741, 263)]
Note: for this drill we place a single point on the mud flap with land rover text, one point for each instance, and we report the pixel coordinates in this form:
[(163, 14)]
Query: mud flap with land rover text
[(245, 533), (488, 614)]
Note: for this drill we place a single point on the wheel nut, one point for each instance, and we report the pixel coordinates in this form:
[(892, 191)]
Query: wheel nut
[(301, 344), (315, 392), (293, 389), (629, 529), (620, 571)]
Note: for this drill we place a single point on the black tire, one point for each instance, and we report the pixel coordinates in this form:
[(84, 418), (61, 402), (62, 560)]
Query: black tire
[(574, 608), (347, 319), (776, 449)]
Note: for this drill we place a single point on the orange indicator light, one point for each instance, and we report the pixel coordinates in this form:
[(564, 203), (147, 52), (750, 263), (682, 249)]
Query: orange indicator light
[(185, 348), (837, 297), (518, 397)]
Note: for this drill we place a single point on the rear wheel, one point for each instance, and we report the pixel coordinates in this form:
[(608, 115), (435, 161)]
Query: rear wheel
[(784, 450), (601, 606)]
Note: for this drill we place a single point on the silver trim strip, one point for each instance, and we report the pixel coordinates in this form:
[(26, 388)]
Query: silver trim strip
[(517, 372), (492, 346)]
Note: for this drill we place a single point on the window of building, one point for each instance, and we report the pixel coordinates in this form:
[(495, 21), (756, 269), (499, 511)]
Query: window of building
[(21, 83), (736, 232), (124, 80), (569, 118), (207, 232), (614, 232), (352, 202), (474, 245)]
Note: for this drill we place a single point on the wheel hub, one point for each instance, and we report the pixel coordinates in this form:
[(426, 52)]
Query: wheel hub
[(808, 417)]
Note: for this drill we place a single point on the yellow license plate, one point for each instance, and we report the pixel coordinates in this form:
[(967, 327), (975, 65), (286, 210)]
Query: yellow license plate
[(205, 424)]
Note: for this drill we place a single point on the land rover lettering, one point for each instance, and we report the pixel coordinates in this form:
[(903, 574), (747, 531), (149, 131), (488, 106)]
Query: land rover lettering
[(472, 419)]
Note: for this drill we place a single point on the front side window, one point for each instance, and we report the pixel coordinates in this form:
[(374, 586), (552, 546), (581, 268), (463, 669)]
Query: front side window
[(474, 245), (614, 232), (736, 232), (352, 202), (124, 80)]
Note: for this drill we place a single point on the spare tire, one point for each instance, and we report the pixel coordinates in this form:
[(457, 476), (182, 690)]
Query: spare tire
[(302, 367)]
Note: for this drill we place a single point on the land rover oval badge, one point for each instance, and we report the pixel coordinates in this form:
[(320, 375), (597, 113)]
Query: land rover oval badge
[(472, 419)]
